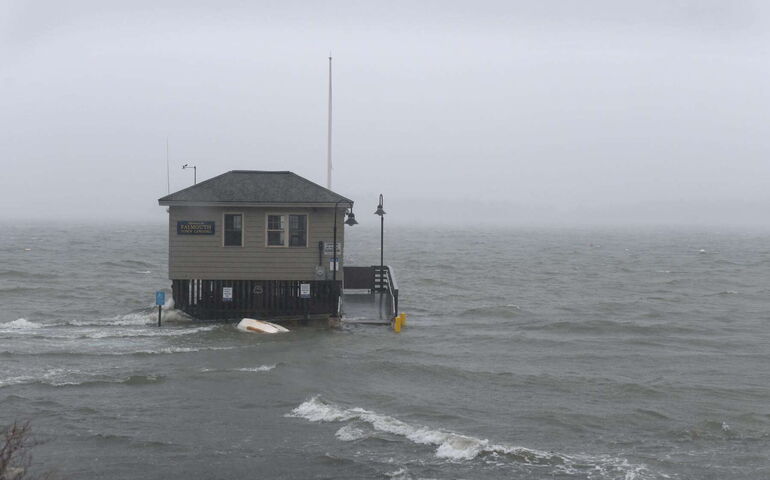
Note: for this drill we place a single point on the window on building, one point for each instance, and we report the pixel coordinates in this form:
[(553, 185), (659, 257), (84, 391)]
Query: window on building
[(233, 230), (275, 230), (298, 230), (283, 227)]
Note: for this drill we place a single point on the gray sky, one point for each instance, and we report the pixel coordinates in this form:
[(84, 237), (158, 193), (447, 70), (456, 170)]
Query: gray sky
[(507, 112)]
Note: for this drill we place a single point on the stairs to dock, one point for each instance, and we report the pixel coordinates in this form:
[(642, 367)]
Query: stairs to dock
[(370, 295)]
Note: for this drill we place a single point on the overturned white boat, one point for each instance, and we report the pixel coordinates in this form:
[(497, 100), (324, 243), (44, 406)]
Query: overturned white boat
[(260, 326)]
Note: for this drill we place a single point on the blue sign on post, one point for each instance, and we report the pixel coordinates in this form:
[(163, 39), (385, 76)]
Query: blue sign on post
[(160, 300)]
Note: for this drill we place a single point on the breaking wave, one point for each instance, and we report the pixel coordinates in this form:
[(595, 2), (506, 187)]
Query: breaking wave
[(60, 377), (98, 353), (143, 317), (167, 350), (122, 333), (20, 324), (349, 433), (124, 326), (260, 368), (457, 447)]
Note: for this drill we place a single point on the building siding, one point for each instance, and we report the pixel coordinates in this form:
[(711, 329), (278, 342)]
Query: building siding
[(205, 257)]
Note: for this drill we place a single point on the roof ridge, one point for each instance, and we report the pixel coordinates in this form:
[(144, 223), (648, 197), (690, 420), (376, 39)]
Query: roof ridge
[(259, 171), (320, 186), (256, 185)]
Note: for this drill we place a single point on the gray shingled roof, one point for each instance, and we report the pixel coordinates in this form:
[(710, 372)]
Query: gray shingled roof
[(252, 186)]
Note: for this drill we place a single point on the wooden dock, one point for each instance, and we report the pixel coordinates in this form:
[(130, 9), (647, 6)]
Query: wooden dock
[(370, 296), (206, 300)]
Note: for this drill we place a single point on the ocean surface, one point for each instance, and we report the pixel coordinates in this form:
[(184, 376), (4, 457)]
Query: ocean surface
[(543, 353)]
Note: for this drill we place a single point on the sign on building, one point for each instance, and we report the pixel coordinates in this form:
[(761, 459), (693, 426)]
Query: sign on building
[(334, 264), (184, 227), (329, 248), (227, 294)]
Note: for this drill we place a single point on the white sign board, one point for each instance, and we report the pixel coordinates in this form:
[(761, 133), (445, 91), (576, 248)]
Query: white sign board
[(334, 264), (227, 294), (304, 290), (329, 249)]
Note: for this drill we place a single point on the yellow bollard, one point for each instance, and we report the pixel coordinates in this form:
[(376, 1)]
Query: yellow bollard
[(397, 324), (403, 319)]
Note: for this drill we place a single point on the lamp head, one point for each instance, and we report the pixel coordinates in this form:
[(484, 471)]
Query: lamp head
[(380, 211), (351, 219)]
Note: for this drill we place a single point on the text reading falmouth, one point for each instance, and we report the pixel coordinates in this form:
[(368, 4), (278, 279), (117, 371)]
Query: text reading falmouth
[(194, 228)]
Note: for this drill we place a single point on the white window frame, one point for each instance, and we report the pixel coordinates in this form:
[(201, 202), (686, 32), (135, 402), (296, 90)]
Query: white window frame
[(285, 223), (243, 229)]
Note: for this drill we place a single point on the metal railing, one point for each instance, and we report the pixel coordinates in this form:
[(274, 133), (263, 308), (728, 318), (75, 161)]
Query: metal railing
[(385, 282)]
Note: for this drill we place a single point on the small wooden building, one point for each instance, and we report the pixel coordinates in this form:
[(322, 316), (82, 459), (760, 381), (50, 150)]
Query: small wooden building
[(249, 243)]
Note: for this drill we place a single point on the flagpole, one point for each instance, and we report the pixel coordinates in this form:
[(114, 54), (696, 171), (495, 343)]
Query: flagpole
[(329, 133), (168, 170)]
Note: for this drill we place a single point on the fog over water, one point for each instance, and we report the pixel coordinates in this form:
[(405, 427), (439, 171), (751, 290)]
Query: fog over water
[(520, 112)]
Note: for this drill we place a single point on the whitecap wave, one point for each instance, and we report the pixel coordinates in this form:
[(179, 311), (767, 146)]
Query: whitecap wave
[(450, 445), (92, 331), (348, 433), (318, 411), (261, 368), (21, 324), (129, 319), (62, 377), (144, 317), (457, 447), (51, 376), (401, 473), (154, 332), (113, 352), (168, 350)]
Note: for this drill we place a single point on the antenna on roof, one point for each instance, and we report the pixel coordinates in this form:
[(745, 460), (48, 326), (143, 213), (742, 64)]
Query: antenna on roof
[(329, 133), (195, 172), (168, 170)]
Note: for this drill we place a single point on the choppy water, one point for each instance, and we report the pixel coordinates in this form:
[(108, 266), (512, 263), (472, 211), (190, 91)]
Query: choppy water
[(551, 353)]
